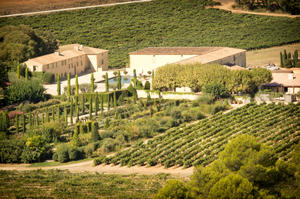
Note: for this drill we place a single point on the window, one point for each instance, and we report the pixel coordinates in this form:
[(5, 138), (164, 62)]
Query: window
[(34, 68)]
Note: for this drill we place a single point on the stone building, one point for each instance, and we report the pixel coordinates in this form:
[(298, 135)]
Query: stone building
[(149, 59), (73, 59)]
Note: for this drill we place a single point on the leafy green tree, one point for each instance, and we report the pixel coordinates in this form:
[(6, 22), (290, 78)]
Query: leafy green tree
[(147, 85), (75, 140), (174, 189), (19, 43), (58, 85), (217, 90), (24, 90)]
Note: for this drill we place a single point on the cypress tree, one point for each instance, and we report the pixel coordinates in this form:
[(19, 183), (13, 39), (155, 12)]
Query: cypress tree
[(289, 55), (75, 139), (30, 120), (108, 102), (77, 112), (90, 107), (37, 119), (106, 83), (95, 135), (76, 85), (5, 121), (26, 73), (18, 71), (134, 78), (102, 99), (69, 85), (96, 104), (17, 123), (92, 82), (284, 55), (71, 111), (24, 122), (53, 115), (119, 80), (66, 115), (281, 60), (115, 99), (58, 112), (152, 78), (47, 115), (295, 57), (58, 85), (82, 104)]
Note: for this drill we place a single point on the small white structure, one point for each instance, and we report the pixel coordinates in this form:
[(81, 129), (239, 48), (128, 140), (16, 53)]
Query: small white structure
[(149, 59)]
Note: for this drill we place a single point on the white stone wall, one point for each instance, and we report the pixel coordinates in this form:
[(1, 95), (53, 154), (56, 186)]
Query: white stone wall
[(145, 63), (174, 96)]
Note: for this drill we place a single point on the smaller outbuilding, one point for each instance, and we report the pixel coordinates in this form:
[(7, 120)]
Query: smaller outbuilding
[(149, 59)]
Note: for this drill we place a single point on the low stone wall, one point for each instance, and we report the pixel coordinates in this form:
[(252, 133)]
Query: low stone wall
[(168, 95)]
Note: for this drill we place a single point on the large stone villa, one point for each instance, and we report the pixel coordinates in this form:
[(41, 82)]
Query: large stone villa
[(71, 59), (149, 59)]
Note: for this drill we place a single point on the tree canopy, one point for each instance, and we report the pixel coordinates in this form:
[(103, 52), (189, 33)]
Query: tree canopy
[(245, 169), (19, 43)]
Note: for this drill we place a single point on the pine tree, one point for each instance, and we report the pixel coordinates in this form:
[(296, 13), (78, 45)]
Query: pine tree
[(26, 73), (24, 122), (92, 82), (95, 135), (69, 85), (115, 99), (17, 123), (76, 85), (58, 85), (119, 80), (90, 107), (106, 83), (96, 104), (71, 111), (18, 71)]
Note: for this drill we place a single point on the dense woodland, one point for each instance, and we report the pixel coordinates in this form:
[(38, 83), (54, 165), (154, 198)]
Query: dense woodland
[(126, 28)]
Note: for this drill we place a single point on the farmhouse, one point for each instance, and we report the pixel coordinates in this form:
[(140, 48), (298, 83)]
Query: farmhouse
[(285, 81), (73, 59), (149, 59)]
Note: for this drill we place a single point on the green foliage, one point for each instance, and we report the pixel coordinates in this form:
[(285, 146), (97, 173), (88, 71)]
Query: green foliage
[(48, 78), (69, 85), (4, 121), (147, 85), (24, 90), (11, 150), (119, 86), (216, 89), (174, 189), (106, 83), (58, 85), (19, 43), (168, 24), (196, 76), (76, 85), (287, 61), (92, 82), (95, 135)]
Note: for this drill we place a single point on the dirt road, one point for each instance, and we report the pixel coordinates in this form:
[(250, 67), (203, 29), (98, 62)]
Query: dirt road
[(227, 5), (106, 169)]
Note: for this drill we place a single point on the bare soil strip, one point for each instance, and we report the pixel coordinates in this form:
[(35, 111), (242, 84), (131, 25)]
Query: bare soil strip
[(105, 169), (227, 5)]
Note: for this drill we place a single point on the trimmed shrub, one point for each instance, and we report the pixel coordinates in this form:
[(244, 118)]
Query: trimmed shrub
[(48, 78)]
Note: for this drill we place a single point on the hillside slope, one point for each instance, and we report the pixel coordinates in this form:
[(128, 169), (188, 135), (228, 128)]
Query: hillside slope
[(126, 28), (275, 125)]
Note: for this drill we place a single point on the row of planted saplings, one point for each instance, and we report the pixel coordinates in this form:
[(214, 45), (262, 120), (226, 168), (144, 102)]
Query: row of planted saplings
[(69, 112)]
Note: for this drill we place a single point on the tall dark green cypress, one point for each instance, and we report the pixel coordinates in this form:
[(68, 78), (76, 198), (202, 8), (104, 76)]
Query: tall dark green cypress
[(66, 114), (47, 115), (108, 102), (134, 78), (30, 120), (37, 119), (284, 55), (58, 85), (53, 113), (58, 112), (17, 123), (119, 80), (102, 101), (82, 104), (18, 71), (96, 104), (92, 82), (71, 111), (43, 117), (69, 85), (295, 58), (115, 99), (76, 85), (281, 60), (106, 83), (90, 107), (77, 112), (26, 73), (24, 122), (95, 135)]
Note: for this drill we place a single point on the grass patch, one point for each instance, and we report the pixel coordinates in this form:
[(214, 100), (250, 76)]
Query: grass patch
[(63, 184), (52, 163)]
